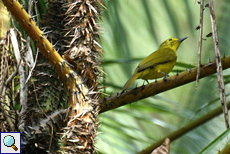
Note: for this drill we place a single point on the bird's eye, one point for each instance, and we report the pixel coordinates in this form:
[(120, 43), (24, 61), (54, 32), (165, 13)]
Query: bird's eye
[(170, 39)]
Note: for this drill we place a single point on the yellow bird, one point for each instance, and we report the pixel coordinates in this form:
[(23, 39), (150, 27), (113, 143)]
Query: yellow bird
[(158, 63)]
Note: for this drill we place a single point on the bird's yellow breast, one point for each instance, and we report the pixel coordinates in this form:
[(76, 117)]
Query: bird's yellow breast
[(157, 71)]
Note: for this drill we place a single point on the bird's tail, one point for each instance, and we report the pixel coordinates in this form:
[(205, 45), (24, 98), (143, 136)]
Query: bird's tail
[(130, 81)]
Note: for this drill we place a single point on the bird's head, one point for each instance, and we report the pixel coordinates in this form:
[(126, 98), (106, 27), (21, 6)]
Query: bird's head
[(172, 43)]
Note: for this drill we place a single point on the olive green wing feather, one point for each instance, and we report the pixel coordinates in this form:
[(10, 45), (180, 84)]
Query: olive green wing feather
[(158, 57)]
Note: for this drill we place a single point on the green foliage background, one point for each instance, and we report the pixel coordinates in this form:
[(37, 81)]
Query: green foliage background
[(131, 30)]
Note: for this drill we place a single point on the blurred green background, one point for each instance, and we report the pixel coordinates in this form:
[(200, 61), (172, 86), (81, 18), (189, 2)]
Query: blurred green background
[(131, 30)]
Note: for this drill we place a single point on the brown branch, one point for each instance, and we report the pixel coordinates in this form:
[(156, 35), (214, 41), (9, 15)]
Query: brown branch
[(200, 41), (218, 64), (189, 127), (152, 89)]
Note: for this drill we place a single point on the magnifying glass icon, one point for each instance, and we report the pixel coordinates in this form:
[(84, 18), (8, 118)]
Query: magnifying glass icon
[(9, 141)]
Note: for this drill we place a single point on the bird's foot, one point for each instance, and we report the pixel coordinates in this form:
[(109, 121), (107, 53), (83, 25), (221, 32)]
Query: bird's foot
[(165, 77), (144, 82)]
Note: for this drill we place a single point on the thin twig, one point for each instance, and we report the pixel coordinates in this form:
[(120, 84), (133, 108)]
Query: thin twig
[(51, 137), (218, 64), (10, 78), (36, 98), (31, 70), (200, 41)]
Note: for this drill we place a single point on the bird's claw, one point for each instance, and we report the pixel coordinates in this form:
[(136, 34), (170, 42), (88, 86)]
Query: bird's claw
[(165, 77)]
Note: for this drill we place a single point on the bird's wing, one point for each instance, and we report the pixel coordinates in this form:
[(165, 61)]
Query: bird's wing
[(157, 57)]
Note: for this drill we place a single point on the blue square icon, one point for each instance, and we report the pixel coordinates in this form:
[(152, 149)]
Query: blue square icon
[(10, 142)]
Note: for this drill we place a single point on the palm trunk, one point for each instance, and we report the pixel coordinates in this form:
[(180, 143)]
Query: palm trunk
[(83, 52), (75, 33)]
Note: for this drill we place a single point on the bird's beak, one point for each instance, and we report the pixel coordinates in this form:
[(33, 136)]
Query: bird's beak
[(182, 39)]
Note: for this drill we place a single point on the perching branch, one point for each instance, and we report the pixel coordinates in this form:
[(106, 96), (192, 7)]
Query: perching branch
[(154, 88)]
